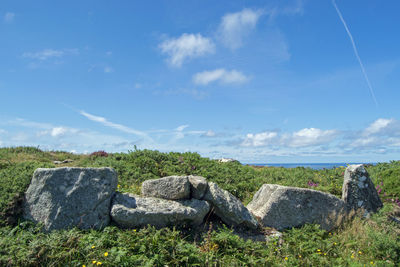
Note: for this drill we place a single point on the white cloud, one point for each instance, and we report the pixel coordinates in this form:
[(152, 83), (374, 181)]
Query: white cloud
[(181, 128), (186, 47), (46, 54), (2, 131), (235, 27), (222, 75), (58, 131), (9, 17), (381, 132), (259, 139), (310, 137), (378, 126), (119, 127), (209, 133)]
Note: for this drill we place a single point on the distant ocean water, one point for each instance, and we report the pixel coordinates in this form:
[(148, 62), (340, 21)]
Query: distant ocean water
[(315, 166)]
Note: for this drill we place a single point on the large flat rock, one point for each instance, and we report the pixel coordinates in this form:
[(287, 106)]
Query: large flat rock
[(230, 209), (358, 191), (62, 198), (283, 207), (171, 187), (131, 211)]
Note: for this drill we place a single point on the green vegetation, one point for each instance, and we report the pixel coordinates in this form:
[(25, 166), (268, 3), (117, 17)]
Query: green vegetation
[(361, 242)]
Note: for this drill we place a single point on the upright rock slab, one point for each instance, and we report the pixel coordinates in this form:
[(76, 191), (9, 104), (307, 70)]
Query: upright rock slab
[(358, 191), (171, 187), (230, 209), (63, 198), (130, 211), (283, 207), (198, 186)]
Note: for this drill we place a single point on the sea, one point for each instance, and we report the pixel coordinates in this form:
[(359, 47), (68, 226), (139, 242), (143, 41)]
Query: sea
[(315, 166)]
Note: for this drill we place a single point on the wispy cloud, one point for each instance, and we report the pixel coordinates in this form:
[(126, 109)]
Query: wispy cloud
[(222, 75), (108, 69), (185, 47), (234, 27), (209, 133), (116, 126), (371, 90), (55, 137), (9, 17), (382, 133), (192, 92), (309, 137), (295, 8), (46, 54)]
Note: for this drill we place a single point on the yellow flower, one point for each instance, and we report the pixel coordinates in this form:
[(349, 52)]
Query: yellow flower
[(105, 254), (360, 252), (286, 258), (330, 234), (372, 263), (352, 256), (300, 256), (119, 186), (134, 230), (335, 243), (318, 250), (99, 263), (93, 246), (325, 253), (84, 265), (94, 262)]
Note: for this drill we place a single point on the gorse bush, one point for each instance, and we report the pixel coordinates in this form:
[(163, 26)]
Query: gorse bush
[(370, 242)]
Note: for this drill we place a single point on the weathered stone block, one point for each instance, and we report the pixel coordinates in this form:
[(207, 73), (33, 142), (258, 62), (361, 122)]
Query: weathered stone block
[(130, 211), (358, 191), (230, 209), (67, 197), (171, 187), (283, 207)]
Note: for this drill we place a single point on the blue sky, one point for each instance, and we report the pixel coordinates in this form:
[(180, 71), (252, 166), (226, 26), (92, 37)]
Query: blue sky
[(259, 81)]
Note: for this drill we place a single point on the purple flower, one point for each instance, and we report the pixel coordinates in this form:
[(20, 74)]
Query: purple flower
[(312, 184)]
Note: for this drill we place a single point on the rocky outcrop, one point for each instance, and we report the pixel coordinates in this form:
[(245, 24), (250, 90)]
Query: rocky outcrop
[(62, 198), (130, 211), (198, 186), (171, 187), (283, 207), (229, 208), (81, 197), (358, 191)]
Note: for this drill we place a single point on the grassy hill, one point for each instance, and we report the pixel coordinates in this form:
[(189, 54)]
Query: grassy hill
[(370, 242)]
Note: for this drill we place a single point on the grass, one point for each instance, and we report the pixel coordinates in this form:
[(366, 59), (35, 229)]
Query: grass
[(360, 242)]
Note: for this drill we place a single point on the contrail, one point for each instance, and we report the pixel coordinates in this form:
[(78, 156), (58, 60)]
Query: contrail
[(356, 52)]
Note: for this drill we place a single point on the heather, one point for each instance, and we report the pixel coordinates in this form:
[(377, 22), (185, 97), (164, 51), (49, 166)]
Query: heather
[(371, 241)]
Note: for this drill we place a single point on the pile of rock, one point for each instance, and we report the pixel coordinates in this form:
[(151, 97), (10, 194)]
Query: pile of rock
[(179, 200), (85, 197)]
